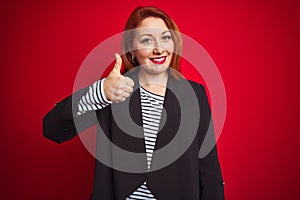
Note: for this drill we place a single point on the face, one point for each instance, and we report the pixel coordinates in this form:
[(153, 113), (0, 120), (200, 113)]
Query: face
[(153, 45)]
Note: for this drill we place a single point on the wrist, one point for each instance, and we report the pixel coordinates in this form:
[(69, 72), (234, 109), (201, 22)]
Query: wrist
[(104, 90)]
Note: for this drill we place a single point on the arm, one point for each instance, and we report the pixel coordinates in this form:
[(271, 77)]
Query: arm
[(211, 181), (94, 99), (74, 114)]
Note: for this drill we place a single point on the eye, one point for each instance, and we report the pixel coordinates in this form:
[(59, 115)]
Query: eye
[(146, 41), (166, 38)]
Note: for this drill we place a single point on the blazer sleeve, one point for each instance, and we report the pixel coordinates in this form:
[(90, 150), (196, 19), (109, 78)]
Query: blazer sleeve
[(61, 123), (211, 181)]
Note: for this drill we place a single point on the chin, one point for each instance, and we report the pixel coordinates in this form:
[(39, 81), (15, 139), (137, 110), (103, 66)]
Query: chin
[(157, 69)]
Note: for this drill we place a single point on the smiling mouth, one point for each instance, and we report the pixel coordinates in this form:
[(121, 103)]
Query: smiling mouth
[(159, 60)]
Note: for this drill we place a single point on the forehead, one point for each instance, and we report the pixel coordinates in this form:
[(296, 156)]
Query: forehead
[(153, 22), (152, 25)]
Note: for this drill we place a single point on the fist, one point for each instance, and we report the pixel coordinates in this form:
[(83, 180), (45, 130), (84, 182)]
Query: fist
[(117, 87)]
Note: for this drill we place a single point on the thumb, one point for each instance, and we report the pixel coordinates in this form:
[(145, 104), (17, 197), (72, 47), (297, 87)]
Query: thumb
[(118, 64)]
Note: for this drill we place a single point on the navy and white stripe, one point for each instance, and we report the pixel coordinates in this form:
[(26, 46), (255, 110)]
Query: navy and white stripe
[(94, 99), (152, 106), (142, 192)]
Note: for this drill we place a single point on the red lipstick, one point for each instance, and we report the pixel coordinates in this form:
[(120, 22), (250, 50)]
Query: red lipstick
[(159, 60)]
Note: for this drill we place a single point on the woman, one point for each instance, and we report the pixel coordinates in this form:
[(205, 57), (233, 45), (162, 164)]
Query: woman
[(153, 93)]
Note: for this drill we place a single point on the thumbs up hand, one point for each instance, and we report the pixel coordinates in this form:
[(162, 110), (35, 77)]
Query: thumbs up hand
[(117, 87)]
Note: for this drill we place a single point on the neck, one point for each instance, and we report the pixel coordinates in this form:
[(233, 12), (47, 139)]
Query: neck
[(155, 83), (153, 79)]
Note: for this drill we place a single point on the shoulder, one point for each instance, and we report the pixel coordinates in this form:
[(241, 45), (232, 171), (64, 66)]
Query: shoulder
[(196, 85), (186, 84), (198, 88)]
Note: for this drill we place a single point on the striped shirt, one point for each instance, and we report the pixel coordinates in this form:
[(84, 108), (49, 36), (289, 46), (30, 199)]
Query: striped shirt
[(94, 99), (152, 106)]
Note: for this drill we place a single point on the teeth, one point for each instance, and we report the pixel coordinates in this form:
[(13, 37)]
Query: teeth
[(159, 59)]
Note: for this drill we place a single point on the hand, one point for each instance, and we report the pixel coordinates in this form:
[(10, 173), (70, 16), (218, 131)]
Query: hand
[(117, 87)]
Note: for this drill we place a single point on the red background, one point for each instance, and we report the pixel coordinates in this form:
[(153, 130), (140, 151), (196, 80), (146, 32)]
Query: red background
[(254, 44)]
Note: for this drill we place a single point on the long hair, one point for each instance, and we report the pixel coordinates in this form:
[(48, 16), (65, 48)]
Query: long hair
[(137, 16)]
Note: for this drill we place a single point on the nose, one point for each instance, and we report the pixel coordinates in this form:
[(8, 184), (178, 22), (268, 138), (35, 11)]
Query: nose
[(158, 48)]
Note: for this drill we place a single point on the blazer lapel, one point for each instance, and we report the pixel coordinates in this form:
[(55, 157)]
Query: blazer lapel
[(127, 121), (170, 118), (171, 110)]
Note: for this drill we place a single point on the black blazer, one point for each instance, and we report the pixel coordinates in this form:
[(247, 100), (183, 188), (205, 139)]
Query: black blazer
[(187, 178)]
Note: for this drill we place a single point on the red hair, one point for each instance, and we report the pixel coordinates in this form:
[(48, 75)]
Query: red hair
[(137, 16)]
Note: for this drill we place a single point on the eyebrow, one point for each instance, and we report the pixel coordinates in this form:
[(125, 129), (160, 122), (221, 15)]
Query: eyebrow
[(165, 32), (147, 34)]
